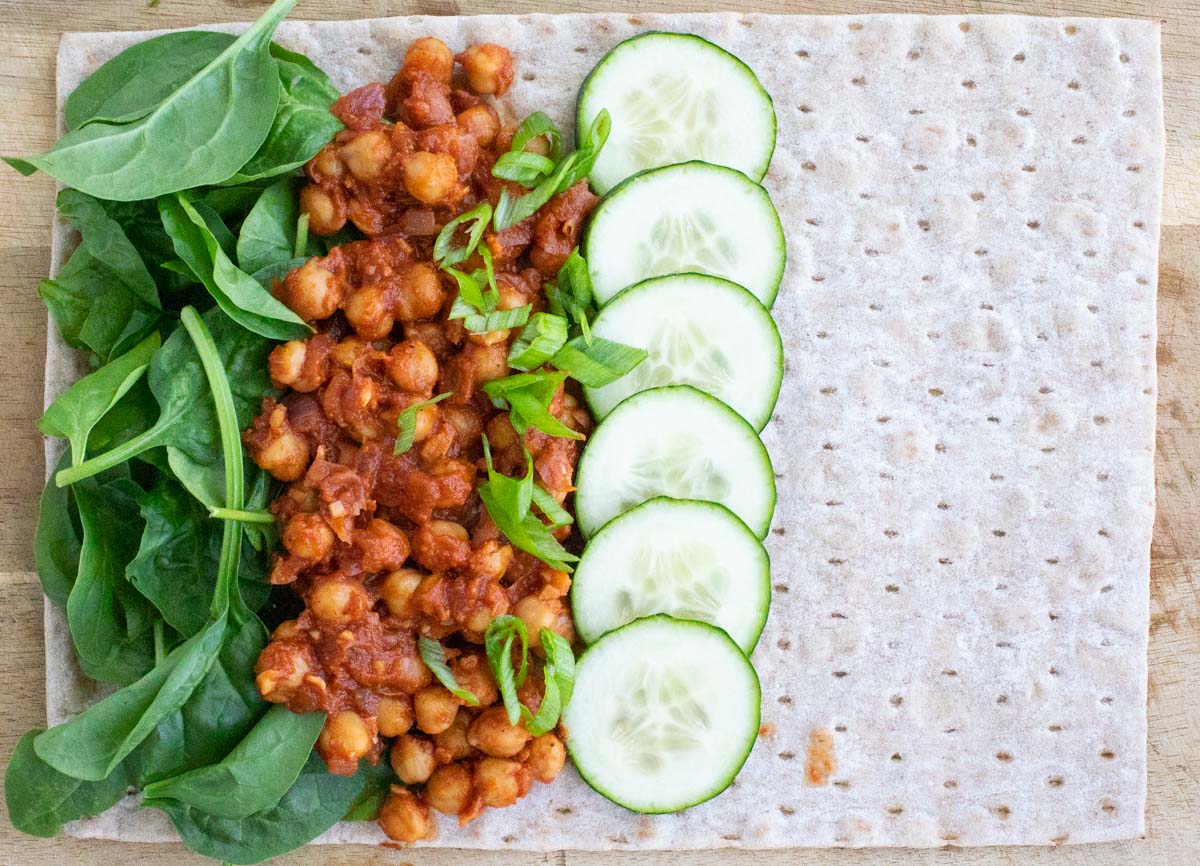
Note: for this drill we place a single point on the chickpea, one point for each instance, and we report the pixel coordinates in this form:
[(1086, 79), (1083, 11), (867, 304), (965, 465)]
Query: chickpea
[(338, 602), (449, 789), (397, 590), (368, 310), (302, 365), (419, 294), (440, 545), (308, 536), (367, 154), (347, 351), (434, 708), (501, 434), (489, 362), (311, 291), (499, 782), (489, 68), (465, 420), (481, 122), (492, 734), (282, 451), (491, 559), (426, 422), (473, 674), (394, 716), (326, 165), (287, 630), (326, 209), (404, 817), (537, 613), (412, 759), (430, 178), (413, 367), (344, 739), (384, 546), (451, 744), (431, 56), (547, 754), (281, 670)]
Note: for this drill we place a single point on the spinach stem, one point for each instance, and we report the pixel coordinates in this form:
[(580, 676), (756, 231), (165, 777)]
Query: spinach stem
[(231, 444), (301, 236), (160, 643), (241, 516), (109, 459)]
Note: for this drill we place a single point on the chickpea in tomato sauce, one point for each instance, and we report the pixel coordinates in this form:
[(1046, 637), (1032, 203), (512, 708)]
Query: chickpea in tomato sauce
[(384, 548)]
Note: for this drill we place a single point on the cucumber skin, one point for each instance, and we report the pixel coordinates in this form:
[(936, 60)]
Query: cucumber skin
[(770, 465), (759, 427), (585, 242), (579, 127), (766, 573), (724, 785)]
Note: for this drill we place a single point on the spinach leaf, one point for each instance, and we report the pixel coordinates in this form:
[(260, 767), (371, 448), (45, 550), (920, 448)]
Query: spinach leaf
[(138, 79), (279, 270), (252, 777), (103, 298), (302, 122), (199, 134), (187, 422), (41, 799), (58, 539), (379, 781), (176, 563), (268, 235), (94, 743), (75, 412), (310, 807), (111, 623), (237, 293)]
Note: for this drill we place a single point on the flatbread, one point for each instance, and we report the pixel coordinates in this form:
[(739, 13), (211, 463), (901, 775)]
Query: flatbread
[(964, 441)]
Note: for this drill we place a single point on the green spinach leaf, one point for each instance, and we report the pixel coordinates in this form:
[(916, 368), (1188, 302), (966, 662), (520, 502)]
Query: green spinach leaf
[(237, 293), (58, 539), (310, 807), (176, 563), (302, 122), (133, 83), (255, 775), (187, 422), (201, 133), (75, 412), (40, 799), (268, 235), (94, 743), (379, 781), (111, 623)]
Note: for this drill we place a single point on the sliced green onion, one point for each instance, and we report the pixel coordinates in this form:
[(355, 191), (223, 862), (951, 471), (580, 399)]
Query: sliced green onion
[(531, 127), (407, 423), (555, 513), (435, 659), (301, 236), (507, 500), (445, 251), (538, 341), (573, 279), (498, 642), (501, 320), (470, 293), (598, 363), (528, 397), (523, 168)]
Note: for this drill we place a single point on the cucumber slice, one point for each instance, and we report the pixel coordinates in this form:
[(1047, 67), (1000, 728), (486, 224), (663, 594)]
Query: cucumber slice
[(664, 714), (676, 442), (674, 97), (699, 330), (692, 560), (688, 218)]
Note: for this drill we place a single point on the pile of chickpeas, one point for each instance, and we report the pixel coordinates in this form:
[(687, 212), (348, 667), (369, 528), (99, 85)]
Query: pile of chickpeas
[(384, 548)]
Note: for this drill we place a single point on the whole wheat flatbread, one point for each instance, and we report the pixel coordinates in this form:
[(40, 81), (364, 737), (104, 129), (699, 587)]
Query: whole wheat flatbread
[(964, 441)]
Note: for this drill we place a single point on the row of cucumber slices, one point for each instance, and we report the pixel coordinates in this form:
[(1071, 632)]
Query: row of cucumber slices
[(675, 490)]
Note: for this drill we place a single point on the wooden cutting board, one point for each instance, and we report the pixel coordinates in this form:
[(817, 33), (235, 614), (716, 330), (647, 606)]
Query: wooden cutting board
[(29, 30)]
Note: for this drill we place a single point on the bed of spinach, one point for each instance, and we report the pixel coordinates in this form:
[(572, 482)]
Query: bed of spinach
[(182, 160)]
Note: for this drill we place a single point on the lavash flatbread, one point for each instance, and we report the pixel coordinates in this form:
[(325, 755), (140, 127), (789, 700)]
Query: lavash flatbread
[(964, 440)]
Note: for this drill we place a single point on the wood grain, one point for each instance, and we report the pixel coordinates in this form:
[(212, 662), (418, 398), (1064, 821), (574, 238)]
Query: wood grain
[(29, 30)]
